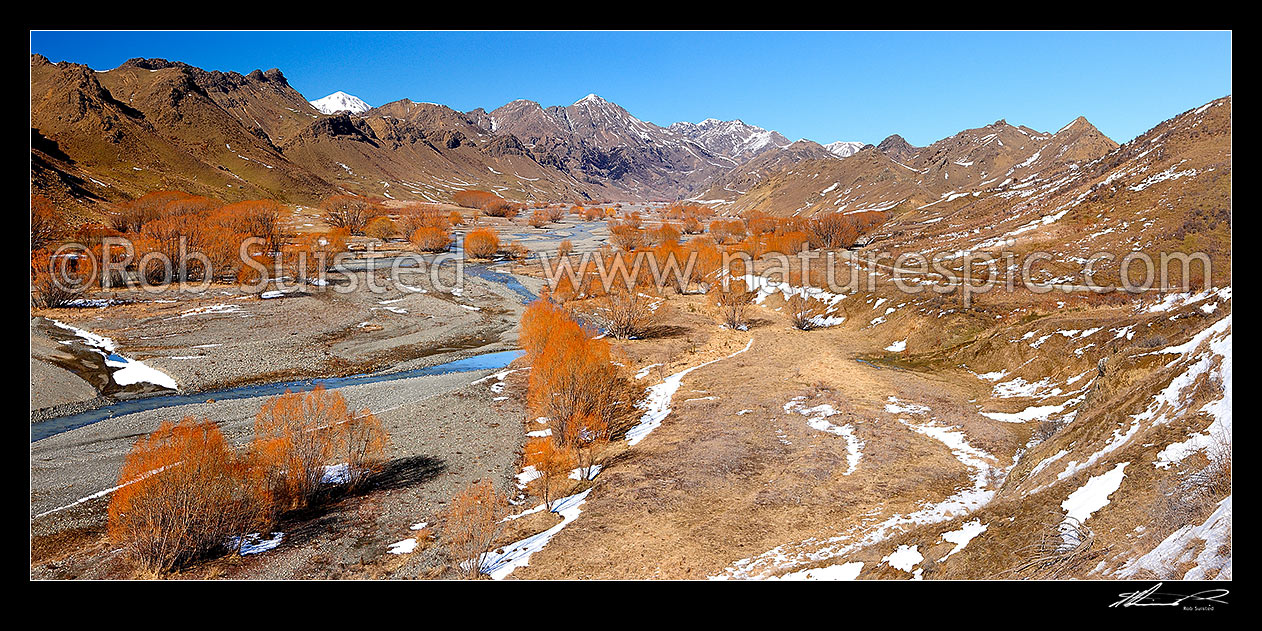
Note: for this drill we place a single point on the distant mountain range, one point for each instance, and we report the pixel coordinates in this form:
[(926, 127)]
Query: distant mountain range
[(103, 137)]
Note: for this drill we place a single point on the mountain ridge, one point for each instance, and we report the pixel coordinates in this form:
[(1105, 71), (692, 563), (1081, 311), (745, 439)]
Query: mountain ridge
[(231, 135)]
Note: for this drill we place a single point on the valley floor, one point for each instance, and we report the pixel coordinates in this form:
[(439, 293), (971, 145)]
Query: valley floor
[(913, 440)]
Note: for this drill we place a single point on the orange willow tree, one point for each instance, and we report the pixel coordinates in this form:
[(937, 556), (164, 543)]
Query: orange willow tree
[(350, 212), (551, 461), (481, 243), (183, 493), (572, 374), (298, 437)]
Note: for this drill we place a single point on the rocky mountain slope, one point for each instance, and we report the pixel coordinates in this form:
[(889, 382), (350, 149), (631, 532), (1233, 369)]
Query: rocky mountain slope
[(602, 145), (104, 136), (151, 124), (1100, 443), (899, 175)]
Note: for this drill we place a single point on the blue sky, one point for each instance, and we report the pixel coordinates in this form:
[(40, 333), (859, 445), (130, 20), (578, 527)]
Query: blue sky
[(824, 86)]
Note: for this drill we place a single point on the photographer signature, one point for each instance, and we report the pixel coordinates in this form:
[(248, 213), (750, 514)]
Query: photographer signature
[(1152, 598)]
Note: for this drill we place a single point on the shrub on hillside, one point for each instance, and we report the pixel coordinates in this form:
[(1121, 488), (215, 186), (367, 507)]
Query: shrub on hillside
[(842, 230), (802, 311), (553, 463), (586, 435), (624, 313)]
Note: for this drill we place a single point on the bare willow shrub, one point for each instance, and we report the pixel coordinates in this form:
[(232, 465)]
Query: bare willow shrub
[(552, 462), (587, 436), (360, 447), (294, 438), (472, 524), (349, 212), (539, 219), (572, 373), (431, 239), (381, 228), (1065, 549), (481, 243), (1191, 498), (732, 298), (626, 313), (803, 311)]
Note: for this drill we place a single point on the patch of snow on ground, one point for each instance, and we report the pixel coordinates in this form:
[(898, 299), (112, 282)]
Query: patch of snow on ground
[(1032, 413), (210, 310), (961, 537), (592, 472), (816, 419), (842, 572), (1092, 496), (403, 547), (904, 558), (527, 475), (962, 502), (255, 543), (335, 474), (502, 563), (128, 371)]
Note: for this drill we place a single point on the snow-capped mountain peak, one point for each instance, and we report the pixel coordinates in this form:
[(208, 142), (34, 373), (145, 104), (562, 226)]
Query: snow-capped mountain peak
[(734, 138), (844, 149), (590, 98), (341, 102)]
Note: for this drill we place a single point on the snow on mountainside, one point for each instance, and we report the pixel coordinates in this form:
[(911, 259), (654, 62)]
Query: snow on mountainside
[(844, 149), (341, 102), (600, 143), (734, 138)]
